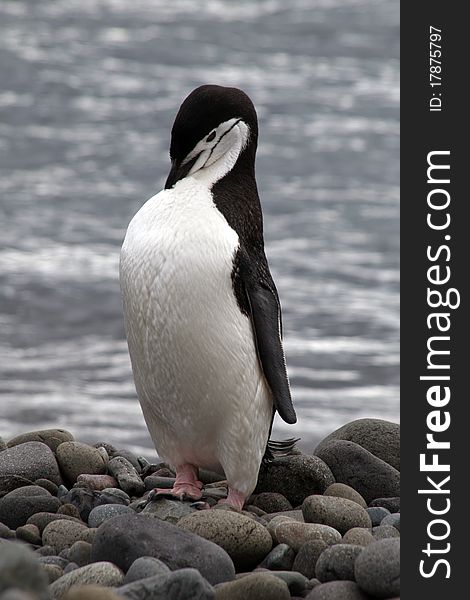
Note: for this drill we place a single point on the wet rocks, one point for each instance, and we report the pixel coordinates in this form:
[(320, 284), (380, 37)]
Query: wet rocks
[(29, 461), (377, 569), (75, 458), (280, 558), (272, 502), (167, 510), (341, 490), (42, 519), (337, 562), (358, 535), (295, 477), (377, 514), (353, 465), (339, 513), (307, 557), (124, 538), (102, 573), (245, 541)]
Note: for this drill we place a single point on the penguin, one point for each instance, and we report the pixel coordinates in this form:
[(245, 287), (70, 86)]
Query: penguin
[(201, 311)]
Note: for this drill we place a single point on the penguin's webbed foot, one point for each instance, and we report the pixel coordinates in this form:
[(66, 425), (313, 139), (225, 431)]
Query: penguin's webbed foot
[(234, 498), (186, 486)]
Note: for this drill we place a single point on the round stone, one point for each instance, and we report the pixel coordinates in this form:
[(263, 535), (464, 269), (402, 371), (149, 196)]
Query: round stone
[(281, 558), (272, 502), (337, 562), (187, 584), (359, 536), (246, 541), (143, 567), (167, 510), (339, 513), (62, 534), (28, 461), (124, 538), (75, 458), (307, 557), (393, 520), (295, 477), (102, 573), (21, 569), (377, 514), (338, 590), (355, 466), (105, 511), (91, 592), (254, 587), (391, 504), (15, 510), (44, 518), (377, 569), (80, 553), (296, 534), (51, 437), (30, 534), (380, 438), (382, 532), (341, 490)]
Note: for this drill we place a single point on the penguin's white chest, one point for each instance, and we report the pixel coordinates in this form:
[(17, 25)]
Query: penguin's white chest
[(193, 352)]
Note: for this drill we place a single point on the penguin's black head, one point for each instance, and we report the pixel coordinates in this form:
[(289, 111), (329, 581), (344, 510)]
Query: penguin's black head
[(216, 127)]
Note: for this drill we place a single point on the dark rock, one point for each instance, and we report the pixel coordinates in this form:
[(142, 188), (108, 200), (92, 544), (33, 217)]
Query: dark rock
[(337, 562), (45, 551), (70, 567), (359, 536), (391, 504), (183, 583), (255, 586), (296, 582), (143, 567), (168, 510), (337, 590), (380, 438), (51, 437), (97, 482), (70, 510), (80, 553), (30, 534), (21, 569), (155, 481), (281, 558), (113, 496), (295, 477), (62, 534), (339, 513), (393, 520), (377, 569), (31, 461), (126, 476), (105, 511), (292, 514), (353, 465), (296, 534), (50, 486), (272, 502), (341, 490), (6, 533), (246, 541), (27, 491), (382, 532), (259, 512), (376, 514), (8, 483), (124, 538), (53, 572), (75, 458), (85, 500), (129, 456), (54, 560), (102, 573), (307, 557), (16, 510), (44, 518)]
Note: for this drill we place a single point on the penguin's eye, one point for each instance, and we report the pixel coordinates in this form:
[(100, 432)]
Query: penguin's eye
[(210, 137)]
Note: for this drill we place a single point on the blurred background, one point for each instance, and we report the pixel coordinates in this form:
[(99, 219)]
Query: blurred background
[(89, 90)]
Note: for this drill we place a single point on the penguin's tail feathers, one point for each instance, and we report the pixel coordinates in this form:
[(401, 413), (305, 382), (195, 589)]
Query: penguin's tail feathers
[(278, 448)]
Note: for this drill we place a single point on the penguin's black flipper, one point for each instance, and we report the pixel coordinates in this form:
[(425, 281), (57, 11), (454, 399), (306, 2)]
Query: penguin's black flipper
[(265, 313)]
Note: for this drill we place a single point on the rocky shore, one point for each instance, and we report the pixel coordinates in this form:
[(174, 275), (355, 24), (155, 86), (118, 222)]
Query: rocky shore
[(76, 524)]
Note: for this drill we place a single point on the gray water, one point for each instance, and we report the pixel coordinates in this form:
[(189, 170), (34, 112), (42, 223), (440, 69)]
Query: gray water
[(88, 93)]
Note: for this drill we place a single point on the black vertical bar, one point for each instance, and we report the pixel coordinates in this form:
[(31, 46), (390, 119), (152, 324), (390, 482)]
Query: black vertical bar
[(433, 119)]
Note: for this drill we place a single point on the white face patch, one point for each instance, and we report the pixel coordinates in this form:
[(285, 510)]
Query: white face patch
[(219, 150)]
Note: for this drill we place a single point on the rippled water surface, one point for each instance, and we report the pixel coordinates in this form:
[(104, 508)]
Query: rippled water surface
[(88, 93)]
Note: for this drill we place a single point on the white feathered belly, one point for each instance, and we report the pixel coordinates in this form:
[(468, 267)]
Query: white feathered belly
[(193, 353)]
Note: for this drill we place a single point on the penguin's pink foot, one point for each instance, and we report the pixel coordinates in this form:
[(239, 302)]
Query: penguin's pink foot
[(234, 498), (186, 485)]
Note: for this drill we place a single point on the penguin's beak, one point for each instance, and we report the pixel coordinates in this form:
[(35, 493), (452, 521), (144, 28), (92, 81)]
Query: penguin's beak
[(179, 171)]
